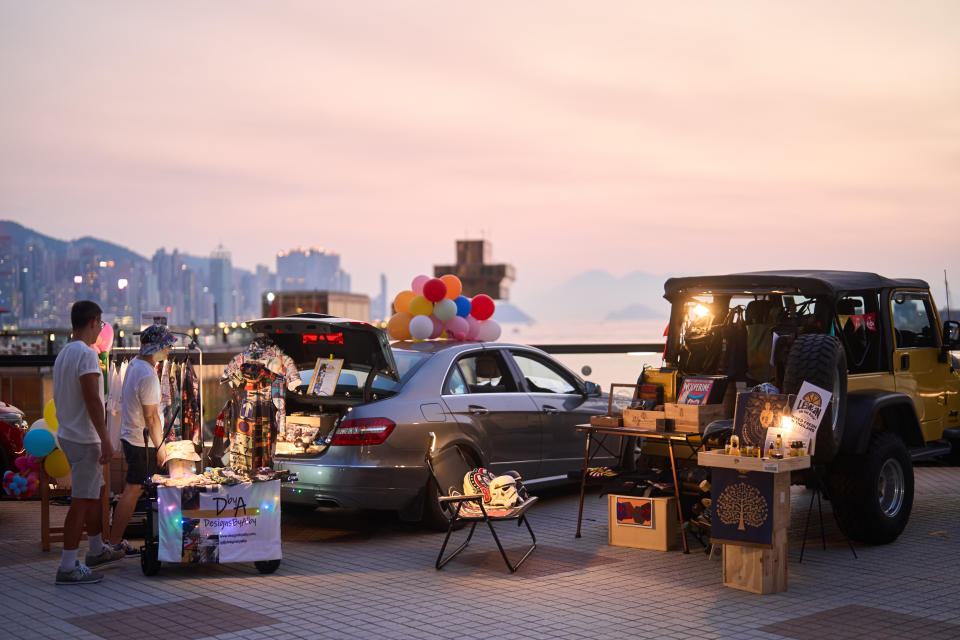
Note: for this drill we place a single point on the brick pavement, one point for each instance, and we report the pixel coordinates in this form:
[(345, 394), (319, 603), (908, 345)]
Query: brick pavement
[(367, 575)]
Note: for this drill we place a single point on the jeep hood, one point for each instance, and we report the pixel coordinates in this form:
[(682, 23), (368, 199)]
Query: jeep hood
[(306, 337)]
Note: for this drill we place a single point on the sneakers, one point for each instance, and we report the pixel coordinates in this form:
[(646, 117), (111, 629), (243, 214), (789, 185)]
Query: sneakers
[(128, 550), (105, 558), (80, 574)]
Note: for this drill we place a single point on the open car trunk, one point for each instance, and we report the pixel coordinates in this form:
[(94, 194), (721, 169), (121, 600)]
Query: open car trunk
[(363, 370)]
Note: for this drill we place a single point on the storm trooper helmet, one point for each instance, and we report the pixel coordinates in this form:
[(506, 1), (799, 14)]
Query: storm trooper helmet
[(478, 481), (503, 491), (766, 387)]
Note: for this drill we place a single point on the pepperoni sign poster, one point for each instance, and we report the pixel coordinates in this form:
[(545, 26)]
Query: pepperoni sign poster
[(237, 523)]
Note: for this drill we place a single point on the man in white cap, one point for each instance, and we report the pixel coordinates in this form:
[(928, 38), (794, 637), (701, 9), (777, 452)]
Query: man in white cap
[(140, 419)]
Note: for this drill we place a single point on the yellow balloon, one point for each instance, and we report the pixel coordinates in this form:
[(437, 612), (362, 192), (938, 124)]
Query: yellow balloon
[(50, 415), (55, 464), (401, 304), (420, 306), (398, 327)]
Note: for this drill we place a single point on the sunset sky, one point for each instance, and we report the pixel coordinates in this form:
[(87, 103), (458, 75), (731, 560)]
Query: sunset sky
[(664, 137)]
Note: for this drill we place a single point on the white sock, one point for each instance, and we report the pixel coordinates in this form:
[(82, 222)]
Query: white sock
[(95, 543), (68, 560)]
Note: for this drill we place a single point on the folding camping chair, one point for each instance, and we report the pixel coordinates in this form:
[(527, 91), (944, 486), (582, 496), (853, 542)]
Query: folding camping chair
[(448, 468)]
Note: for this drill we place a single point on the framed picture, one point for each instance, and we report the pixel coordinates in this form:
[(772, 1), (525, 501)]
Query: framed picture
[(325, 375), (757, 414), (621, 397)]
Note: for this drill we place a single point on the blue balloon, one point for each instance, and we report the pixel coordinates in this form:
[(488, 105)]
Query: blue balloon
[(463, 306), (39, 442)]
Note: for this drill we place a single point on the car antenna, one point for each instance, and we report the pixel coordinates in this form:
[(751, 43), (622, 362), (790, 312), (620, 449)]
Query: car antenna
[(946, 286)]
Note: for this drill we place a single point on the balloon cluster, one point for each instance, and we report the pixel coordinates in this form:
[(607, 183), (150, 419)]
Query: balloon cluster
[(40, 445), (105, 340), (434, 308)]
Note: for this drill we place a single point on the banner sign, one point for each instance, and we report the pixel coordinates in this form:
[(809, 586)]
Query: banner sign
[(237, 523), (808, 410), (741, 507)]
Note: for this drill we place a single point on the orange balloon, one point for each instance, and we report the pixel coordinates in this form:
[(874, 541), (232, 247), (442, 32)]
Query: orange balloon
[(398, 326), (454, 286), (401, 304)]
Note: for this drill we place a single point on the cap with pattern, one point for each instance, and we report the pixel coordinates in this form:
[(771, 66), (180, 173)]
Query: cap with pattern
[(154, 338)]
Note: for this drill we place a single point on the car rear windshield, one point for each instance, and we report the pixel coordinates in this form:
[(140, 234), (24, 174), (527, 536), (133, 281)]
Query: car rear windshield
[(353, 379)]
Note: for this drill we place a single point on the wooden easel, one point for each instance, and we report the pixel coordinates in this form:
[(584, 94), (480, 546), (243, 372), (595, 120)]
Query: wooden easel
[(50, 534)]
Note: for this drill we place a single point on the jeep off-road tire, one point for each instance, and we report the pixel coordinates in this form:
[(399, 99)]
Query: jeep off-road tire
[(872, 494), (819, 359)]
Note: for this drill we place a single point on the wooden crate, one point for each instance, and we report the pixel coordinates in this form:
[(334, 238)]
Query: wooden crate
[(661, 537), (642, 419), (692, 418), (606, 421), (757, 569)]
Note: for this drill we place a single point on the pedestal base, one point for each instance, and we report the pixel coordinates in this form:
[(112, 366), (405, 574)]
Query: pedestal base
[(757, 569)]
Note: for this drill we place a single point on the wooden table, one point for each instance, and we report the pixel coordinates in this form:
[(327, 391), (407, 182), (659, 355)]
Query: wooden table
[(750, 564), (670, 437)]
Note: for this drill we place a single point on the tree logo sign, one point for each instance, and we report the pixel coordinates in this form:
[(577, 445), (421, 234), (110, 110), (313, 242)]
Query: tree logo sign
[(742, 509)]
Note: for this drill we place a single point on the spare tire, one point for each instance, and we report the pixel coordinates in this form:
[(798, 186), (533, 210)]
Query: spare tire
[(820, 359)]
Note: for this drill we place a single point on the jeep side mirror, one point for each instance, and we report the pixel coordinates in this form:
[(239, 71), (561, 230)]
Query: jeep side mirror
[(591, 389), (951, 334)]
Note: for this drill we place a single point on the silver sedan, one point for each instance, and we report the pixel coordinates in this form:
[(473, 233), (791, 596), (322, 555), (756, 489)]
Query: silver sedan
[(507, 406)]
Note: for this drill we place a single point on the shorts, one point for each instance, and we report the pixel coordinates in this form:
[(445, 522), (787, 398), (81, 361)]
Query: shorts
[(136, 457), (86, 474)]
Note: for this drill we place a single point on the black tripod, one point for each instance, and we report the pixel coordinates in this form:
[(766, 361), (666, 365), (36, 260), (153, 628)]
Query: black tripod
[(819, 487)]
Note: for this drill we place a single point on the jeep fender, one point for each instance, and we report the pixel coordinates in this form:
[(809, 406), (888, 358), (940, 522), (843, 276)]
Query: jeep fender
[(866, 408)]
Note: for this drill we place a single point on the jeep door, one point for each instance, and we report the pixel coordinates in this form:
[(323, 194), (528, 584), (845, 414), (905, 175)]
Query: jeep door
[(916, 358)]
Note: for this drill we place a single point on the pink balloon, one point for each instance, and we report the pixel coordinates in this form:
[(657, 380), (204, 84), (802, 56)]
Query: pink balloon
[(457, 328), (105, 339), (437, 328), (417, 284), (473, 328), (489, 331)]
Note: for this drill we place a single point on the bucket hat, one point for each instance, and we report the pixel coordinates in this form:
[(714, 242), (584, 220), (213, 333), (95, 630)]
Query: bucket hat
[(154, 338)]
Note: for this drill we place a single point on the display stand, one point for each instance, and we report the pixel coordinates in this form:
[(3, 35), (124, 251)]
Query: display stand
[(818, 489), (212, 524), (754, 494), (669, 437), (50, 534)]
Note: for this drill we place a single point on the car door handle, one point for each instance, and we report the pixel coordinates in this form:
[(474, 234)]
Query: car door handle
[(477, 410), (550, 411), (904, 362)]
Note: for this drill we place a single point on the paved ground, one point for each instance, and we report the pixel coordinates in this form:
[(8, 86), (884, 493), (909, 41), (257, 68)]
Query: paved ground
[(369, 576)]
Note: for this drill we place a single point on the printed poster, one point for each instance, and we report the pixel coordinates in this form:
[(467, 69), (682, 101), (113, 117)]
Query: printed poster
[(808, 411), (325, 376), (741, 507), (238, 523), (635, 512), (695, 391), (758, 414)]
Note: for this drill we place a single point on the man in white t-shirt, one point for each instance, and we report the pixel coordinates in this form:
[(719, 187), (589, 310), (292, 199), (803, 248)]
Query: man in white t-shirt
[(141, 418), (83, 438)]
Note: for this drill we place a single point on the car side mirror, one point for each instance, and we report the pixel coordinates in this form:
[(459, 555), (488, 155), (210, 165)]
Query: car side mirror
[(591, 389), (951, 334)]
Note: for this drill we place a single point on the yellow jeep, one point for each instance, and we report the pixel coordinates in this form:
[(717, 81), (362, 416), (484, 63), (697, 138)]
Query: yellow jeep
[(878, 344)]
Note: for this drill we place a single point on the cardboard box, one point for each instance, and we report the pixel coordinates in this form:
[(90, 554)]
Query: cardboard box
[(606, 421), (692, 418), (642, 419), (643, 523)]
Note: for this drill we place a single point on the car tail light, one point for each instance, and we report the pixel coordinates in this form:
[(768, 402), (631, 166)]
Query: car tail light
[(356, 431)]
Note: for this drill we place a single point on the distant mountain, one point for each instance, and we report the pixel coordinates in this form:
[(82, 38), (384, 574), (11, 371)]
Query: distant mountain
[(597, 295), (20, 235), (509, 312)]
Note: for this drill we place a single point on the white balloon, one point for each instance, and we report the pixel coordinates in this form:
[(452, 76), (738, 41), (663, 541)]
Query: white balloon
[(42, 424), (445, 310), (421, 327), (489, 331)]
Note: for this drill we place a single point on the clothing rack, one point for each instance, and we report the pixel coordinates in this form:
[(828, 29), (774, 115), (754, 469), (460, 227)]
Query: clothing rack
[(120, 354)]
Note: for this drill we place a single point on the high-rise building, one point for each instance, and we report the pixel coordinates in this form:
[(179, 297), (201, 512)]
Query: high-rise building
[(311, 269), (221, 284), (8, 282)]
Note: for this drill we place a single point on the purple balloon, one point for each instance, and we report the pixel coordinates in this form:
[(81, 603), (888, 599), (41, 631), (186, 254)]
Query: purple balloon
[(473, 328), (437, 328), (463, 306)]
